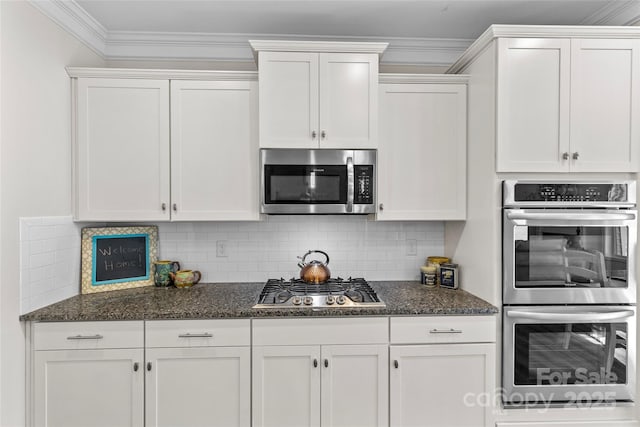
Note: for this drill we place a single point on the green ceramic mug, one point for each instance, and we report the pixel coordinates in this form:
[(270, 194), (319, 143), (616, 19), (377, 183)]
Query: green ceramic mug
[(185, 278), (161, 277)]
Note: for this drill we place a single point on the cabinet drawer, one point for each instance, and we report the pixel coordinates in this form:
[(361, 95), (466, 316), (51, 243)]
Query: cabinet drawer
[(374, 330), (443, 329), (198, 333), (88, 335)]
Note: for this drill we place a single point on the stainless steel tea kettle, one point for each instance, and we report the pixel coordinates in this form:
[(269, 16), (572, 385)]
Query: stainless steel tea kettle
[(315, 271)]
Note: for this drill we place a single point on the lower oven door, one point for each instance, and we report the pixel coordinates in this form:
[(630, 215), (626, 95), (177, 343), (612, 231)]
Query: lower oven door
[(568, 355)]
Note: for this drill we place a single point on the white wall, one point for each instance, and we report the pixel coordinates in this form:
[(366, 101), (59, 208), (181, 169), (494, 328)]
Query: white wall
[(35, 162)]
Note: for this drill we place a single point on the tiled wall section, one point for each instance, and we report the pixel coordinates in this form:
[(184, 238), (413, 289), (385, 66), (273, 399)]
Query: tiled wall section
[(49, 261), (269, 249), (255, 251)]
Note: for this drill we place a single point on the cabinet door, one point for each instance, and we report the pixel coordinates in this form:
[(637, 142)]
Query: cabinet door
[(422, 152), (533, 105), (214, 151), (286, 386), (87, 388), (605, 105), (288, 99), (446, 385), (348, 100), (208, 386), (122, 150), (355, 389)]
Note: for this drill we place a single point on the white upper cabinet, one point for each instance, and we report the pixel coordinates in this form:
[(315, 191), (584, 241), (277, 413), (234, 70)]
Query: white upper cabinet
[(214, 150), (312, 95), (567, 105), (142, 155), (121, 149), (422, 148)]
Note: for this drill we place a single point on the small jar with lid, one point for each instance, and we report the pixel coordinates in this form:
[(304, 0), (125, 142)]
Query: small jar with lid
[(437, 261), (429, 275)]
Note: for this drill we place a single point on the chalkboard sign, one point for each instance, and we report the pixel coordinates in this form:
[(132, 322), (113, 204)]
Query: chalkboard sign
[(117, 257)]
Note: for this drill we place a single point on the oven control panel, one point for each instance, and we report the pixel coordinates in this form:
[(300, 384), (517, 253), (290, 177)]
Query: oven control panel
[(549, 193)]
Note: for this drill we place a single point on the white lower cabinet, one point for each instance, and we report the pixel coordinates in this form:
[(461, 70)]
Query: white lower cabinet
[(320, 380), (88, 374), (436, 378), (198, 373)]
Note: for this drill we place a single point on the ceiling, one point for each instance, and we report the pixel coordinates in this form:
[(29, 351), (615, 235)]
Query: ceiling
[(180, 29)]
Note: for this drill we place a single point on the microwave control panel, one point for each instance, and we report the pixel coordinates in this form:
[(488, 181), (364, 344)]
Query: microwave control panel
[(363, 182)]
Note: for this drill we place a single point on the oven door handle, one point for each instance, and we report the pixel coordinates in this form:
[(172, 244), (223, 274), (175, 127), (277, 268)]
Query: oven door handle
[(587, 316), (574, 215)]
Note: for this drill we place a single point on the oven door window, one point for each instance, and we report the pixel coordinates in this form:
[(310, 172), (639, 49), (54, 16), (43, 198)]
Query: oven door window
[(571, 256), (304, 184), (570, 354)]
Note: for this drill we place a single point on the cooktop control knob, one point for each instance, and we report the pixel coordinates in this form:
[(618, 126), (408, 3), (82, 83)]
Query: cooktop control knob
[(308, 300), (296, 300), (331, 299), (341, 300)]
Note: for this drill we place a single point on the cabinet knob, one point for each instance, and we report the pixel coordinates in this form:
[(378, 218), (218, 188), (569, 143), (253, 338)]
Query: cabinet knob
[(381, 207), (148, 366), (395, 364), (575, 155), (164, 207), (323, 134), (565, 156), (315, 363), (135, 367), (326, 363), (175, 207), (313, 134)]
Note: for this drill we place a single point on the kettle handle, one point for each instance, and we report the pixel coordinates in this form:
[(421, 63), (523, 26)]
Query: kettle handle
[(301, 264)]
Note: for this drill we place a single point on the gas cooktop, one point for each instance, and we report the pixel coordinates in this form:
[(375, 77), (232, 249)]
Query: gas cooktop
[(339, 293)]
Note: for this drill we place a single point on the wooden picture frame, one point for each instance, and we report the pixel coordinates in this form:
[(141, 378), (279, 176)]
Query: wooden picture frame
[(117, 257)]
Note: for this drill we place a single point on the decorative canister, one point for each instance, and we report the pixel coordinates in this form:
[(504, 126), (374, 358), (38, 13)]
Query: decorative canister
[(428, 275), (449, 276), (437, 261)]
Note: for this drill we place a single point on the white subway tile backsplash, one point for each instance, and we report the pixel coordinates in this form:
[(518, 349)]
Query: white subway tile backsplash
[(49, 261), (356, 245)]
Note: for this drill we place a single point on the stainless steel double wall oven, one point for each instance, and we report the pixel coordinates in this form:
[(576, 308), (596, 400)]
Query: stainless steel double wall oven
[(569, 292)]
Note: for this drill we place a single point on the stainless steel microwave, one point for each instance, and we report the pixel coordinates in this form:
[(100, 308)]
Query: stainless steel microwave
[(303, 181)]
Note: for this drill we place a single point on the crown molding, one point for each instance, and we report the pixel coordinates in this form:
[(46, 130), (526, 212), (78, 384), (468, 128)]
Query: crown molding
[(422, 78), (133, 73), (76, 21), (616, 13), (541, 31), (159, 46)]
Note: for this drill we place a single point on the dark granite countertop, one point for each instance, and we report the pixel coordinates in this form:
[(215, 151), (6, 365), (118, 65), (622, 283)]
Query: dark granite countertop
[(234, 300)]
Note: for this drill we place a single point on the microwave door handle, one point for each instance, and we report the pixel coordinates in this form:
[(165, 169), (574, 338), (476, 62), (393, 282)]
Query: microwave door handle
[(588, 316), (350, 184), (573, 216)]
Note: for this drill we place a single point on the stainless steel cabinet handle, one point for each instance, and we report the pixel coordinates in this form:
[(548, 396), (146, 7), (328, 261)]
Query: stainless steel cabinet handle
[(323, 134), (148, 366), (86, 337), (445, 331), (314, 134), (395, 364), (190, 335), (164, 207), (135, 367), (565, 156), (326, 363), (575, 155), (315, 363), (350, 184)]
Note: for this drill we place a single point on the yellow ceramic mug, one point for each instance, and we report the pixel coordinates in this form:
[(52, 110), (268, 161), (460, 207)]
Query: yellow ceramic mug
[(185, 278)]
